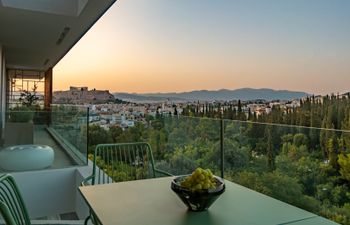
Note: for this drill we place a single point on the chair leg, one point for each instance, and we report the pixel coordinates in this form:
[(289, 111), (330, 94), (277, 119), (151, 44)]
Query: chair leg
[(87, 220)]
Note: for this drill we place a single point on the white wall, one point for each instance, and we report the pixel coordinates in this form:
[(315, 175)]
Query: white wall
[(48, 192), (53, 192), (60, 7), (81, 207)]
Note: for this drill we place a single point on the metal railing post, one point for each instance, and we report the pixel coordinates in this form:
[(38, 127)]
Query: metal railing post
[(87, 133), (222, 153)]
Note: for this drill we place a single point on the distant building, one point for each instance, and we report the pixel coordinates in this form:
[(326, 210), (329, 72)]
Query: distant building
[(268, 110), (81, 95), (94, 117), (127, 123)]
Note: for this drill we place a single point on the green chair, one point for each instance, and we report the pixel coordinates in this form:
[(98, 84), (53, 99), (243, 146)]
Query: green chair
[(12, 206), (122, 162)]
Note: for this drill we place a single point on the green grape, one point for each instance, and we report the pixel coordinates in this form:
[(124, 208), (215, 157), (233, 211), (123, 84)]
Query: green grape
[(198, 186), (199, 179)]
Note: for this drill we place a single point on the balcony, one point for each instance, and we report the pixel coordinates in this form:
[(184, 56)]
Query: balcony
[(289, 163), (63, 129), (47, 181), (297, 165)]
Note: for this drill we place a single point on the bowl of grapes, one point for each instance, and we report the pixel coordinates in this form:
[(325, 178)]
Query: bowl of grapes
[(198, 190)]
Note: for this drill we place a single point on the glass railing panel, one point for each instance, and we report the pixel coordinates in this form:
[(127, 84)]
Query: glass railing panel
[(184, 143), (70, 123), (179, 144), (32, 140), (303, 166)]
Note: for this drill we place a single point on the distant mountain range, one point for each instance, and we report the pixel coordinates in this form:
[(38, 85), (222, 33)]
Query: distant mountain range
[(219, 95)]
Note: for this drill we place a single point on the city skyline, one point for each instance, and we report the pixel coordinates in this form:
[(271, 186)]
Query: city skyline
[(164, 46)]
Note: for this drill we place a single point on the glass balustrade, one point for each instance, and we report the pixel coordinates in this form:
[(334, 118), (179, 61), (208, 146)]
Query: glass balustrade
[(303, 166), (33, 140)]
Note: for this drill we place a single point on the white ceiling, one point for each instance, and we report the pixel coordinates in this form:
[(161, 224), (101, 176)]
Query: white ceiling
[(35, 35)]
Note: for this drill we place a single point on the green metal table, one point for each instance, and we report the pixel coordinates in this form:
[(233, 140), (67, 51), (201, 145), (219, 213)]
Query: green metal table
[(152, 202)]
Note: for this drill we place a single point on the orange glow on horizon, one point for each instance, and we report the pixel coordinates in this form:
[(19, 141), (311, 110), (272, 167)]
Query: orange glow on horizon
[(147, 51)]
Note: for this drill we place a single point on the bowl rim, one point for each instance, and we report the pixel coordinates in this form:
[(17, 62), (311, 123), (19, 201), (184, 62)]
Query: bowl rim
[(175, 186)]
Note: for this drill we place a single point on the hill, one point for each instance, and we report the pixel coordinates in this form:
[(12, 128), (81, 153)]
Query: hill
[(81, 95), (220, 95)]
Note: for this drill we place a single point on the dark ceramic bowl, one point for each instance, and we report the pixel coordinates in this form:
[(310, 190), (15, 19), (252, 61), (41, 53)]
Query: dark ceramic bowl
[(197, 200)]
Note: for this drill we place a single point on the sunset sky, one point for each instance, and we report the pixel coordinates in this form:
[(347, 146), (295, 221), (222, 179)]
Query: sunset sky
[(181, 45)]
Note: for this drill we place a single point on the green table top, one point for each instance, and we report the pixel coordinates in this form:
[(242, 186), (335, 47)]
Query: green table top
[(313, 221), (152, 202)]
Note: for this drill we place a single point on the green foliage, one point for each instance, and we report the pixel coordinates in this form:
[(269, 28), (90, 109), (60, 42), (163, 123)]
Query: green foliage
[(300, 139), (294, 152), (281, 186), (121, 171), (21, 114), (305, 167), (278, 186), (98, 135), (287, 138), (29, 98), (124, 172), (338, 214), (344, 162), (236, 156), (270, 149)]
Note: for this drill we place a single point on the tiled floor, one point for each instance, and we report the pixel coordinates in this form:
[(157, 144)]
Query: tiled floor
[(64, 216), (42, 137)]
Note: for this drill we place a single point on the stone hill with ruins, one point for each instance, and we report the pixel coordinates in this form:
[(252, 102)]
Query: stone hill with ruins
[(81, 95)]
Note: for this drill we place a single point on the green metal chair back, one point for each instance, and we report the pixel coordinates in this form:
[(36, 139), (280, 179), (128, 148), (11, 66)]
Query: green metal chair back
[(12, 206), (122, 162)]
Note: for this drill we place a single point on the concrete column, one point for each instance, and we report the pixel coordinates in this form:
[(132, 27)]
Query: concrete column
[(48, 89), (2, 94), (1, 91), (1, 77)]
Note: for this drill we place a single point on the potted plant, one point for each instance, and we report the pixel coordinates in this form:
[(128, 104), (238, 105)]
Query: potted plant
[(20, 129), (21, 114)]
